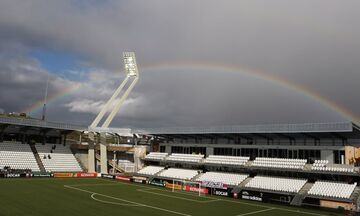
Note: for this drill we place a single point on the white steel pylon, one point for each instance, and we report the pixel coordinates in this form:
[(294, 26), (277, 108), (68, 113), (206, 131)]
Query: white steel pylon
[(132, 73)]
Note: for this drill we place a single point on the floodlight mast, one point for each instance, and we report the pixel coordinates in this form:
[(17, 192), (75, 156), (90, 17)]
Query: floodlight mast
[(131, 71)]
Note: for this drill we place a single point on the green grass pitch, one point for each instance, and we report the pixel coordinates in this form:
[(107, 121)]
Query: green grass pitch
[(51, 197)]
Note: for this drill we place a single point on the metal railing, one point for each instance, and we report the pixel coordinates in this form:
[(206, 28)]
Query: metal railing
[(268, 128)]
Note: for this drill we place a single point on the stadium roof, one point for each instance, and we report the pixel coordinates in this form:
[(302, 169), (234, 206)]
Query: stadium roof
[(342, 130), (267, 128)]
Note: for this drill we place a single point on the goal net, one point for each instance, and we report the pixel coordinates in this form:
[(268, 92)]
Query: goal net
[(190, 186)]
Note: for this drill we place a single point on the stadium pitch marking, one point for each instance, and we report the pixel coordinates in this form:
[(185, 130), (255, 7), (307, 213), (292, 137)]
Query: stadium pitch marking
[(228, 200), (255, 212), (176, 197), (114, 203), (127, 201)]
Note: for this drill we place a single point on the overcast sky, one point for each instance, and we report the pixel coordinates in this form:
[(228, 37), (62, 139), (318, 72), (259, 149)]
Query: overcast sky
[(310, 45)]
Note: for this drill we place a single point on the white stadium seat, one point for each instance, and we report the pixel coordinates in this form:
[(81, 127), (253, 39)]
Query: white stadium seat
[(225, 178), (280, 184), (332, 189), (176, 173), (62, 159), (195, 158), (17, 156), (226, 160), (156, 156), (323, 165), (279, 163), (150, 170)]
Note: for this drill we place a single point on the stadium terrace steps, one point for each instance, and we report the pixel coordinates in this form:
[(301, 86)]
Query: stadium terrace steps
[(37, 157), (300, 196)]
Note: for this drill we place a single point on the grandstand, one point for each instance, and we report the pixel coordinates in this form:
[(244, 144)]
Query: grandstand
[(301, 165)]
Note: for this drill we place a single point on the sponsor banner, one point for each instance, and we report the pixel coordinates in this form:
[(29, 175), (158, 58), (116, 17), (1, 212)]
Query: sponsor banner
[(40, 174), (139, 179), (86, 175), (196, 189), (175, 186), (107, 176), (156, 183), (220, 192), (211, 184), (122, 178), (13, 175), (246, 195), (63, 175)]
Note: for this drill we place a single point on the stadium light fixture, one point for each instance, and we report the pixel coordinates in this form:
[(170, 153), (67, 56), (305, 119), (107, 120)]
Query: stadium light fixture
[(130, 64)]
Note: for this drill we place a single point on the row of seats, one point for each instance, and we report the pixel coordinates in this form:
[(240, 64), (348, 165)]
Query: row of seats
[(183, 174), (333, 169), (150, 170), (289, 185), (156, 156), (279, 163), (225, 178), (228, 160), (320, 163), (61, 158), (332, 189), (17, 156), (195, 158)]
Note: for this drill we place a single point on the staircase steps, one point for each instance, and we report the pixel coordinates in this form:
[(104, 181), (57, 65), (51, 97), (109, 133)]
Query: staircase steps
[(37, 157), (299, 197)]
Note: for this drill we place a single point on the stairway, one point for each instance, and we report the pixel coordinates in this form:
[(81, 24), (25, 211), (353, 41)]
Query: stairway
[(243, 183), (299, 197), (37, 157), (241, 186), (111, 163), (81, 164)]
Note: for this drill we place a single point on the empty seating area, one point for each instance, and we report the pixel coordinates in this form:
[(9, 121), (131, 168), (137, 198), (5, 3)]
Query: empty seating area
[(150, 170), (156, 156), (226, 160), (323, 165), (279, 163), (289, 185), (58, 158), (195, 158), (332, 189), (225, 178), (183, 174), (17, 156)]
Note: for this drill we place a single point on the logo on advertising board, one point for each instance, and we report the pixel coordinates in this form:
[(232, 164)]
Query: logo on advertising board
[(12, 175), (196, 189), (63, 175), (86, 175), (175, 186), (221, 193), (107, 176), (211, 184), (138, 180), (121, 178), (246, 195), (41, 175)]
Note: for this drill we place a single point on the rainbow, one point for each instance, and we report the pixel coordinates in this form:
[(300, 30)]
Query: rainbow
[(37, 106), (304, 90)]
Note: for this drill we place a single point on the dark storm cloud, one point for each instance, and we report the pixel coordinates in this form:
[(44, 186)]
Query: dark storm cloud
[(312, 43)]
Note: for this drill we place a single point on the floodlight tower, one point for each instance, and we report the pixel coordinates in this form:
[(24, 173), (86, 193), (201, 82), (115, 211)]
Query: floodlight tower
[(132, 73)]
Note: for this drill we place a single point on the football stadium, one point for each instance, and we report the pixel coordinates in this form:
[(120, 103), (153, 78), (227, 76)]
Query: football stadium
[(58, 167), (279, 169)]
